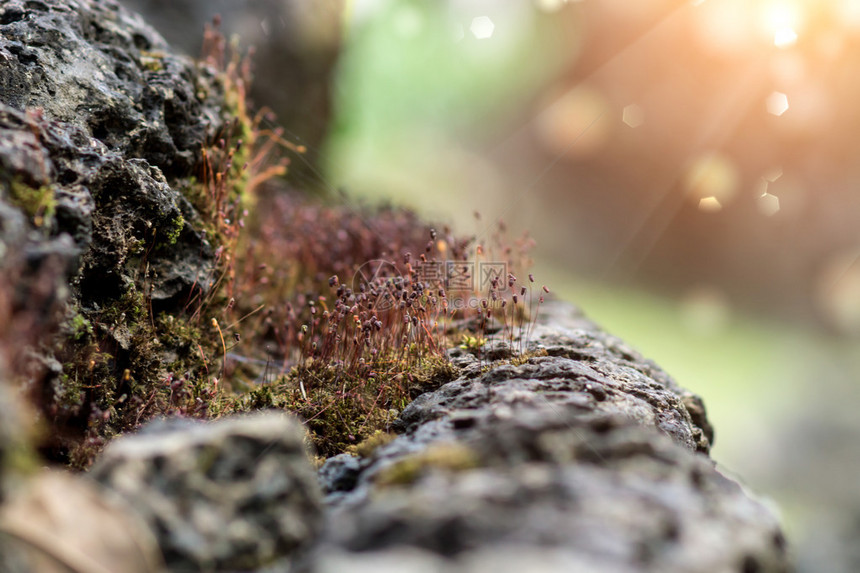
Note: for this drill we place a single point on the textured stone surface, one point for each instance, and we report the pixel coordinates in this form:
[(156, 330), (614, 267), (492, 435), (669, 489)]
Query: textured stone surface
[(236, 494), (95, 109), (92, 64), (586, 459)]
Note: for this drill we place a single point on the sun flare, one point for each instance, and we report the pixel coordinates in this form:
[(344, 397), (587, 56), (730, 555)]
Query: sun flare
[(734, 25)]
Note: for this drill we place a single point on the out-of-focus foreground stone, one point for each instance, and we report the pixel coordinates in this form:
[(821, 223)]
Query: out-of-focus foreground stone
[(236, 494)]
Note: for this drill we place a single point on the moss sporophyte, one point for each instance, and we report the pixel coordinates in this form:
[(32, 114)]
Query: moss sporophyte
[(341, 314)]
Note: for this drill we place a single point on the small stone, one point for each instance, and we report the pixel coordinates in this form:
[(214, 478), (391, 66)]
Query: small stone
[(227, 495)]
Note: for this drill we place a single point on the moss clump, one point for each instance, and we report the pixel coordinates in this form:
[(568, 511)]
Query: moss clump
[(472, 343), (524, 358), (172, 234), (152, 61), (39, 203), (366, 448), (341, 408), (79, 327), (451, 457), (123, 365)]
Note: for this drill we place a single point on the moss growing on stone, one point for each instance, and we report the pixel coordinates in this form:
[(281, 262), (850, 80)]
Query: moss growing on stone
[(450, 457), (341, 408), (373, 442), (39, 203), (172, 234)]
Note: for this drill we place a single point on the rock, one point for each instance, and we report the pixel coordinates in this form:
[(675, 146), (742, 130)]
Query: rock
[(97, 66), (102, 133), (235, 494), (99, 123), (585, 458)]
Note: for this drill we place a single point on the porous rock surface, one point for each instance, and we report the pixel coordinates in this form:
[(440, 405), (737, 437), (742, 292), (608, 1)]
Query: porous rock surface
[(589, 458), (97, 110), (233, 495)]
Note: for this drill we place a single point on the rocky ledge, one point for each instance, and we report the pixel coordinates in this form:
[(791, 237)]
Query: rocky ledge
[(583, 457)]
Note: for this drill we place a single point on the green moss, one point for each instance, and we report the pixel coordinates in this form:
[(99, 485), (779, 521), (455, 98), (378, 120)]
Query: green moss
[(472, 343), (152, 61), (366, 448), (79, 327), (38, 203), (175, 230), (451, 457), (525, 357), (123, 366), (342, 409)]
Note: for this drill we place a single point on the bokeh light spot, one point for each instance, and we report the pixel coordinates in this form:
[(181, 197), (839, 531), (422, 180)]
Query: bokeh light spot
[(712, 176), (575, 124), (784, 37), (782, 19), (710, 205), (550, 6), (772, 174), (633, 115), (768, 204), (837, 291), (482, 27), (777, 103)]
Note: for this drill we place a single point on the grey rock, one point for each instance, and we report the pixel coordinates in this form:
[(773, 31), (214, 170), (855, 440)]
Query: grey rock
[(96, 109), (586, 459), (339, 473), (236, 494), (585, 370), (95, 65)]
